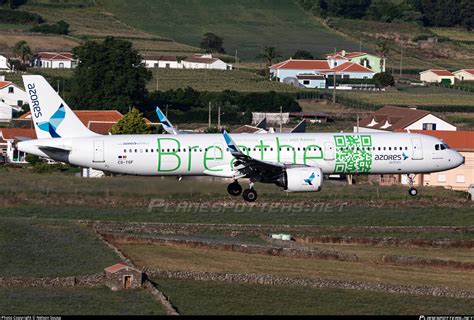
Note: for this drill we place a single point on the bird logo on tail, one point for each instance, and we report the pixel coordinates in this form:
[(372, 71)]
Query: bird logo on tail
[(54, 122)]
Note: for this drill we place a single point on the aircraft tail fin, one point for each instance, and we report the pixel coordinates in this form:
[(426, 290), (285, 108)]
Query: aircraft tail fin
[(165, 122), (51, 116)]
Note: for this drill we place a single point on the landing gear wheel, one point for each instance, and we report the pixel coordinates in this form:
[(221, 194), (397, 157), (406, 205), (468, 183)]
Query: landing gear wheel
[(412, 192), (234, 189), (250, 195)]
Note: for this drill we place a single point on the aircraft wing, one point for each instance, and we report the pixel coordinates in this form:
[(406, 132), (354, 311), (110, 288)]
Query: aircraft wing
[(250, 167), (165, 122)]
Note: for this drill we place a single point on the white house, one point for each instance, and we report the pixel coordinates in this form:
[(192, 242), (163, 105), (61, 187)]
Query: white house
[(8, 140), (287, 70), (439, 76), (54, 60), (159, 61), (4, 61), (390, 118), (311, 80), (11, 94), (205, 61), (464, 74)]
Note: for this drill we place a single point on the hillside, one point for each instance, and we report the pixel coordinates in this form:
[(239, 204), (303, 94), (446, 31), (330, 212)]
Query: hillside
[(244, 25)]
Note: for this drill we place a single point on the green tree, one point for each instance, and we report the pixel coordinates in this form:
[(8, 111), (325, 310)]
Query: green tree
[(211, 42), (467, 14), (269, 54), (303, 54), (132, 123), (110, 75), (22, 50), (384, 79)]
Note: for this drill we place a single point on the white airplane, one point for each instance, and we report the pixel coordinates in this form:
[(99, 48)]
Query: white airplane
[(296, 162)]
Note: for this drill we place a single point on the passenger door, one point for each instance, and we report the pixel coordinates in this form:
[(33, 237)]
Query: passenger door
[(417, 149), (98, 151)]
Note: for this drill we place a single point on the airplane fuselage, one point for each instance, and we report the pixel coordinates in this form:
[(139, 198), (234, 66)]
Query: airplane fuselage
[(207, 154)]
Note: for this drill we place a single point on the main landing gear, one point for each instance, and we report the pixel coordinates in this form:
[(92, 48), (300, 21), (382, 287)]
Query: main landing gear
[(411, 181), (235, 189)]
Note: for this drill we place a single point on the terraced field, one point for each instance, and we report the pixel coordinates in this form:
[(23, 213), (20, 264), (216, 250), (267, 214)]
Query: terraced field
[(245, 26)]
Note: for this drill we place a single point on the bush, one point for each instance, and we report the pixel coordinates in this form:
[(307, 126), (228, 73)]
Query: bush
[(33, 160), (61, 27), (384, 79), (19, 17), (189, 105)]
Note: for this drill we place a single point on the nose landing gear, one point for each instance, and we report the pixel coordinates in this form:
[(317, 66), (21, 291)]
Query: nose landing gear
[(411, 181)]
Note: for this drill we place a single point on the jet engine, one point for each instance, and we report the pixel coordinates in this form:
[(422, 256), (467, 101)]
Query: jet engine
[(301, 179)]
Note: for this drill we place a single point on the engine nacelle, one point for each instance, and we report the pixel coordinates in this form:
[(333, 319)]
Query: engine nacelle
[(302, 179)]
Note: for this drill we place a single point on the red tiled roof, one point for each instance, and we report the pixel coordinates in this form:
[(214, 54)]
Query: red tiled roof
[(17, 133), (4, 84), (440, 72), (459, 140), (100, 127), (116, 267), (86, 116), (302, 65), (471, 71), (55, 55), (397, 117), (350, 67)]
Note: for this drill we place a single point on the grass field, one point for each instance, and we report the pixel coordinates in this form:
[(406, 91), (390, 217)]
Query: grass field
[(454, 34), (39, 42), (443, 55), (94, 23), (35, 248), (215, 80), (245, 26), (167, 257), (77, 301), (425, 96), (206, 298)]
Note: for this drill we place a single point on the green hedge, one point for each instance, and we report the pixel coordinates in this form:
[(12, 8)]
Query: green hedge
[(19, 17)]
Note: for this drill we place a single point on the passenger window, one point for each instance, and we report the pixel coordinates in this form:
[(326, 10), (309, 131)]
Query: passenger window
[(136, 150)]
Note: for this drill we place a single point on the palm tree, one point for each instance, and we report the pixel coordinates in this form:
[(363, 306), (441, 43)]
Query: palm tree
[(22, 50), (382, 50), (270, 54)]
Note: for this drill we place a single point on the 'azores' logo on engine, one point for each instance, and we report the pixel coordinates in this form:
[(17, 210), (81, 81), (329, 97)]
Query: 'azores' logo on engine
[(52, 125), (310, 179)]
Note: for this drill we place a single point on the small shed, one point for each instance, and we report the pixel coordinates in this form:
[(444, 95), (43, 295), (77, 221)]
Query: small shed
[(121, 276)]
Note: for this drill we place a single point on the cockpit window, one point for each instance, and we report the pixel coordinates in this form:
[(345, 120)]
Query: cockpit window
[(436, 146), (443, 147), (446, 146)]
